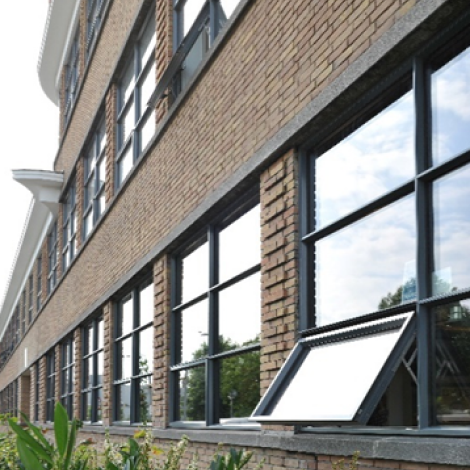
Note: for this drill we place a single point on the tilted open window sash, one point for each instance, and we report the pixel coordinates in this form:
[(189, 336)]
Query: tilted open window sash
[(337, 377)]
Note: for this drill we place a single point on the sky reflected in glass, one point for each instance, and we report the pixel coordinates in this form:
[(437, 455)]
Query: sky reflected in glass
[(195, 273), (194, 331)]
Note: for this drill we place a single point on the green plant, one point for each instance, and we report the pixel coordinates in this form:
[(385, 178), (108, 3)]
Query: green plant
[(353, 464), (232, 460), (37, 453), (8, 454)]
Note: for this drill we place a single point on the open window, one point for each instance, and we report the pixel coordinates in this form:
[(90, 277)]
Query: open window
[(339, 377)]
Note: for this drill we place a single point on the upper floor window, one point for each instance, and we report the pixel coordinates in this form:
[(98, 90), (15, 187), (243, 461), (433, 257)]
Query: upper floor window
[(23, 313), (30, 299), (93, 368), (198, 22), (217, 321), (39, 283), (67, 379), (69, 227), (133, 353), (37, 388), (136, 121), (95, 176), (50, 385), (52, 258), (94, 17), (71, 76)]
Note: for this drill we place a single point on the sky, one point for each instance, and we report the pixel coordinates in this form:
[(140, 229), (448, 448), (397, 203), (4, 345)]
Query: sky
[(29, 129)]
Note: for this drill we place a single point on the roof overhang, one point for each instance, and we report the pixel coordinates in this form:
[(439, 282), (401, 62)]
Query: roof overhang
[(60, 24)]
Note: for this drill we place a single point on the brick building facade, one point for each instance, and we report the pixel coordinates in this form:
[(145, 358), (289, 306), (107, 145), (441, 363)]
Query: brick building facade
[(252, 199)]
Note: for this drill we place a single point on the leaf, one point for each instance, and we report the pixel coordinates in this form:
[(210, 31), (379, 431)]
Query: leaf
[(38, 433), (29, 441), (70, 444), (28, 457), (61, 428)]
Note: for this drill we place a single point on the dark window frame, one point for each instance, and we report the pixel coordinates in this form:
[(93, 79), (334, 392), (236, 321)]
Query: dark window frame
[(420, 69), (30, 298), (37, 388), (93, 328), (142, 112), (134, 335), (67, 375), (52, 257), (72, 76), (39, 283), (94, 16), (69, 226), (211, 361), (51, 374)]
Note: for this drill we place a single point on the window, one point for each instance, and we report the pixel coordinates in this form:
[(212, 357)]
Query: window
[(133, 351), (71, 76), (37, 386), (95, 175), (67, 382), (52, 258), (69, 227), (384, 232), (39, 283), (93, 367), (30, 299), (23, 313), (216, 323), (50, 385), (94, 18), (136, 121), (198, 22)]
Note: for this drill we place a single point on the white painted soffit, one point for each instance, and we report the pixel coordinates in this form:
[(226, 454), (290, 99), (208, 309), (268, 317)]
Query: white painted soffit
[(45, 186), (60, 20)]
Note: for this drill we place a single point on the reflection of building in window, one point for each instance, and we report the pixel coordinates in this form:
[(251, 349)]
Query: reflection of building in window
[(52, 258), (72, 70), (50, 385), (67, 379), (69, 228), (93, 368), (217, 318), (133, 347)]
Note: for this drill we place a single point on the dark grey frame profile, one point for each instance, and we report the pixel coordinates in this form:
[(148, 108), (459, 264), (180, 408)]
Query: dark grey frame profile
[(94, 180), (37, 388), (23, 313), (67, 379), (414, 75), (69, 226), (30, 298), (213, 359), (50, 385), (92, 383), (52, 257), (130, 142), (72, 70), (138, 371), (39, 283), (95, 10)]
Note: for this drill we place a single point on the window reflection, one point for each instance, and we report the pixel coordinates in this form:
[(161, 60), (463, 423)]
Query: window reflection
[(195, 273), (451, 195), (240, 313), (239, 385), (194, 331), (451, 108), (123, 400), (191, 10), (228, 7), (239, 245), (125, 355), (146, 305), (452, 363), (126, 316), (373, 160), (367, 266), (146, 351), (145, 400), (192, 394), (100, 361)]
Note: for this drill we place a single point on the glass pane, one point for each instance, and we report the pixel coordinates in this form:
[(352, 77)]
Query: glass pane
[(100, 371), (239, 385), (124, 358), (100, 333), (87, 405), (367, 266), (194, 331), (88, 223), (147, 88), (372, 161), (195, 273), (331, 366), (89, 372), (451, 108), (126, 163), (146, 305), (65, 381), (145, 400), (193, 394), (240, 313), (452, 363), (101, 172), (99, 404), (101, 203), (102, 136), (228, 6), (240, 245), (126, 324), (123, 401), (147, 43), (89, 339), (451, 196), (146, 351), (148, 130), (127, 122), (190, 11), (127, 84)]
